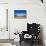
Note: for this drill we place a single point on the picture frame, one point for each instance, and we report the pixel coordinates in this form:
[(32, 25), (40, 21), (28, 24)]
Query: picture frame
[(20, 14)]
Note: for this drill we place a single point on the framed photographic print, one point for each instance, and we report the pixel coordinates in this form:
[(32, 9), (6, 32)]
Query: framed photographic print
[(20, 13)]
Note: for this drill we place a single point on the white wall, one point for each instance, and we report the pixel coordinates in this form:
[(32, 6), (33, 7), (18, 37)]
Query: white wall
[(35, 13), (3, 1)]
